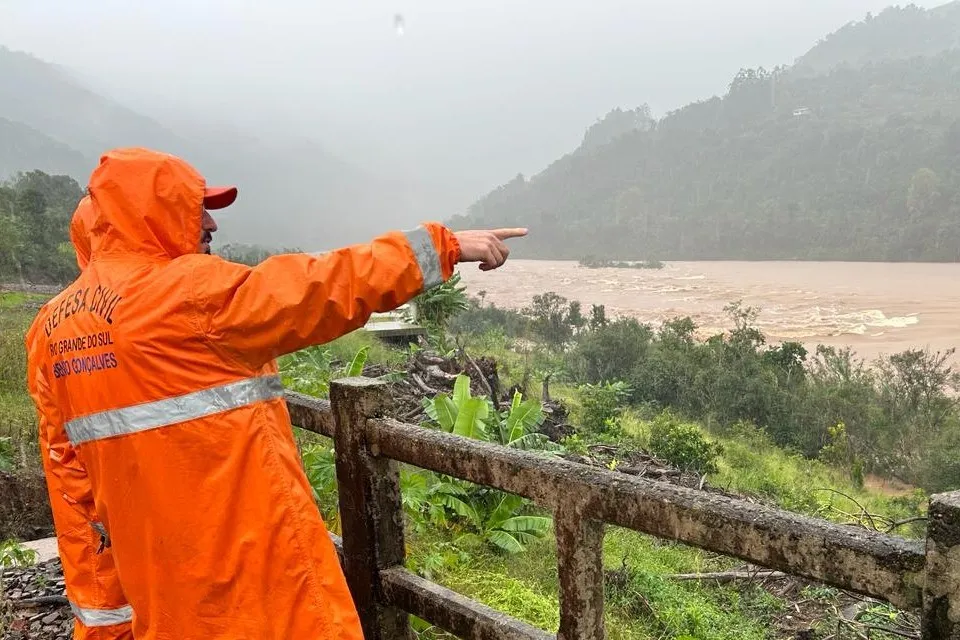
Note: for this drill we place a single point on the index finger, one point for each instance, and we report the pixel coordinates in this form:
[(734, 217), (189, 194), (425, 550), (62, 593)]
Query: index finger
[(503, 234)]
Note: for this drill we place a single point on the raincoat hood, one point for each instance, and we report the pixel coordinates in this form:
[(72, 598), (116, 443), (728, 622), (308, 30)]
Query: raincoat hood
[(80, 225), (149, 204)]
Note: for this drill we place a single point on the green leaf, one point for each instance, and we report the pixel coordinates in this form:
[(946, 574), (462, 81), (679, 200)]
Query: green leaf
[(356, 367), (505, 541), (530, 525), (443, 411), (470, 418), (452, 488), (509, 504), (461, 390), (459, 507), (523, 419), (535, 442)]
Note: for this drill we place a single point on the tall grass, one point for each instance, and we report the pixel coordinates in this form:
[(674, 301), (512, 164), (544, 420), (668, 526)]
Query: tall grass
[(642, 601), (18, 425)]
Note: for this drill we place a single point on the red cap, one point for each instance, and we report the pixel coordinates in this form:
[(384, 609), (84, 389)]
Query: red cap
[(219, 197)]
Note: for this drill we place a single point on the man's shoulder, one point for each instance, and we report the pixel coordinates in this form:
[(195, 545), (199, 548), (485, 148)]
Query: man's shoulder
[(206, 272), (205, 261)]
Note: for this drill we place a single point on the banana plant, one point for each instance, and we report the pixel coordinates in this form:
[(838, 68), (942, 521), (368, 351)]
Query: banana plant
[(518, 426), (426, 497), (488, 516), (462, 414), (474, 417), (505, 526)]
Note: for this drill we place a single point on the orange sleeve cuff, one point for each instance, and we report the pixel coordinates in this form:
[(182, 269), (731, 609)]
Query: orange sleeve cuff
[(447, 246)]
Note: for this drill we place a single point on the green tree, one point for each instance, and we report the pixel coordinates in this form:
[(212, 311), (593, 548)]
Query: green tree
[(550, 319), (35, 211), (598, 316)]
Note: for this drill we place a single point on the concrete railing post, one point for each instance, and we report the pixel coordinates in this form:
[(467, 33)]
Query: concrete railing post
[(371, 512), (941, 595), (580, 567)]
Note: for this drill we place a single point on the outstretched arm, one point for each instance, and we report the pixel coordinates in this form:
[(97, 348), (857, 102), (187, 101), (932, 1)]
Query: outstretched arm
[(292, 301)]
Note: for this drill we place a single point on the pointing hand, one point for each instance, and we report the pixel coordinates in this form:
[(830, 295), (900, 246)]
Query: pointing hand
[(486, 247)]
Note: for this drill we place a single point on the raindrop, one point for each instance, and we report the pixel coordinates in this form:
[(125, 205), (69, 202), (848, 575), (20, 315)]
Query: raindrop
[(398, 24)]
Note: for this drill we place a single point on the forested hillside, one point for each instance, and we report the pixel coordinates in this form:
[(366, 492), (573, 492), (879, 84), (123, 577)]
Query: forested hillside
[(894, 33), (857, 164)]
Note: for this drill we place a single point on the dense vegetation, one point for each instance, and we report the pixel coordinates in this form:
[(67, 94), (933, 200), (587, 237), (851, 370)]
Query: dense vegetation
[(866, 171), (897, 417), (35, 211), (768, 422), (630, 388)]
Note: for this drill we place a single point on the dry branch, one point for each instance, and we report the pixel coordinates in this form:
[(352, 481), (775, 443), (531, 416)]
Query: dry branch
[(728, 576)]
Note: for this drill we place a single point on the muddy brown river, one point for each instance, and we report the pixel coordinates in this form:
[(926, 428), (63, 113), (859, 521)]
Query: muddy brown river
[(875, 308)]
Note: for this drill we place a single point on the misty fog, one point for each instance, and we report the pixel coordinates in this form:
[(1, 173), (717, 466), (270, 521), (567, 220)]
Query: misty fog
[(466, 97)]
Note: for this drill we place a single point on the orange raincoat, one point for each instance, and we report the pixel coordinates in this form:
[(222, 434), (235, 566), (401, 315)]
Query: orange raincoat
[(100, 609), (159, 363)]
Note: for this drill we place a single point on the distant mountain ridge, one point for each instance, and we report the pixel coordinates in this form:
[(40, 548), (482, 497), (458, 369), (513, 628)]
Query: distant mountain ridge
[(895, 33), (24, 147), (853, 162)]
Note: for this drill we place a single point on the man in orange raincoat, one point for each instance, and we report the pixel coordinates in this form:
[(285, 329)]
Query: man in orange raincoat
[(100, 609), (159, 363)]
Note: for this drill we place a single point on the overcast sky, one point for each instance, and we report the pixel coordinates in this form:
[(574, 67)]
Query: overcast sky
[(470, 94)]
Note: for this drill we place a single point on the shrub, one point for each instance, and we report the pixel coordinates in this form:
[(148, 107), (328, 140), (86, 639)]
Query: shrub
[(12, 553), (479, 319), (683, 444), (610, 352), (602, 405)]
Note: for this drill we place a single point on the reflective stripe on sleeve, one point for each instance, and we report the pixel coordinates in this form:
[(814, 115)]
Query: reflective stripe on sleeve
[(169, 411), (102, 617), (422, 244)]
